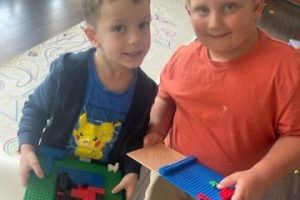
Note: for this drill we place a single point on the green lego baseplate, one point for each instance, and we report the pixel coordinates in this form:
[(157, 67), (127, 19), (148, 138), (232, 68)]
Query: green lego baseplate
[(45, 188)]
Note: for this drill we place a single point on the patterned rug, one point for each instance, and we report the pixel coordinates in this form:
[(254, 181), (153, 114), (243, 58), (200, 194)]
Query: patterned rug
[(20, 76)]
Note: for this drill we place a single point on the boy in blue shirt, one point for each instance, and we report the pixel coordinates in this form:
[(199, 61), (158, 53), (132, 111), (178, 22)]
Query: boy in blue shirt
[(96, 103)]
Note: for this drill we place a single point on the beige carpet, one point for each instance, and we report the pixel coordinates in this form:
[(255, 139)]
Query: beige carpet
[(19, 77)]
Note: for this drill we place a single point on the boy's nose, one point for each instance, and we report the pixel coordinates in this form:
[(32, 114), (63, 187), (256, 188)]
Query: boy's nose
[(214, 21), (134, 37)]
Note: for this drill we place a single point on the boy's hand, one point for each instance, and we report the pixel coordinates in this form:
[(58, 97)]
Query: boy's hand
[(248, 185), (152, 139), (128, 183), (29, 161)]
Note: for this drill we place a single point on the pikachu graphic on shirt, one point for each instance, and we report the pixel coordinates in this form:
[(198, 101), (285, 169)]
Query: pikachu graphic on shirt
[(91, 139)]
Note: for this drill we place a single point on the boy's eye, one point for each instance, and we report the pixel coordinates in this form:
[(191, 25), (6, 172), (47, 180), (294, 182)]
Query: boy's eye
[(144, 25), (118, 28), (201, 10), (230, 7)]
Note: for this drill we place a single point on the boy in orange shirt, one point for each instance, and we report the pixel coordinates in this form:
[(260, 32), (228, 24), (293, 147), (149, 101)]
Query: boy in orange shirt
[(231, 98)]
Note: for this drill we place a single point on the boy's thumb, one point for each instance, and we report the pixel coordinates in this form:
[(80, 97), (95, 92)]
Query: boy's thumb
[(118, 188), (147, 141), (38, 170), (226, 182), (152, 139)]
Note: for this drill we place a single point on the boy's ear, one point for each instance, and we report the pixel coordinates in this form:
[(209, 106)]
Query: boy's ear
[(258, 7), (91, 35)]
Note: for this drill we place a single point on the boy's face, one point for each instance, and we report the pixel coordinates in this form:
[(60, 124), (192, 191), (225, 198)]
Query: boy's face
[(123, 32), (226, 27)]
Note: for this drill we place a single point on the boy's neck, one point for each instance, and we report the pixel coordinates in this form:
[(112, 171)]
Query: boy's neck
[(114, 78), (110, 69), (237, 52)]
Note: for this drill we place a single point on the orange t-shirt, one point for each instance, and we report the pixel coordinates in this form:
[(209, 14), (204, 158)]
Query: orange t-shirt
[(229, 114)]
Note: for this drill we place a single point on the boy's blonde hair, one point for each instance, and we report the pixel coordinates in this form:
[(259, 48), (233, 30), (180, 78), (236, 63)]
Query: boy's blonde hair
[(91, 9)]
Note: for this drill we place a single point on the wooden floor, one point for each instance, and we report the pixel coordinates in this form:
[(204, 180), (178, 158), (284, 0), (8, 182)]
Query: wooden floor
[(26, 23)]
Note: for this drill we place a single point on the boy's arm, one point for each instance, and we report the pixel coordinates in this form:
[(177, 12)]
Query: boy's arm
[(161, 112), (161, 118), (283, 158), (37, 109)]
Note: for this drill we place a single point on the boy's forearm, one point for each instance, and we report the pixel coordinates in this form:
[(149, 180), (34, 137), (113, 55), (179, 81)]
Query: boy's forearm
[(283, 158), (161, 117)]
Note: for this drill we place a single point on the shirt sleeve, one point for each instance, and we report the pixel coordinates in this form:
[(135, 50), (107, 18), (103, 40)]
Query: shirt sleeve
[(37, 109), (166, 78), (289, 119)]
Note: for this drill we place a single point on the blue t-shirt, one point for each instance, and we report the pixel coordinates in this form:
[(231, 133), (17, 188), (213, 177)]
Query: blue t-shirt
[(101, 119)]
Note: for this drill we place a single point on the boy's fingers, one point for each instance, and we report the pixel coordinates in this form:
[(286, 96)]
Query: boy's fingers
[(24, 176), (152, 139), (37, 169), (118, 188), (147, 140), (226, 182), (35, 165)]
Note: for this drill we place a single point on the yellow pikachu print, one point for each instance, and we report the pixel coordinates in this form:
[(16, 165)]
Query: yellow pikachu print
[(91, 139)]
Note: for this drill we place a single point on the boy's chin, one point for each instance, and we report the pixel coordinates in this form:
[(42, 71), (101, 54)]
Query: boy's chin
[(132, 65)]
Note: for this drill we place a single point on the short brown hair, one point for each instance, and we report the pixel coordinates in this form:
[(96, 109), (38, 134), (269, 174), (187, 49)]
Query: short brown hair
[(91, 9)]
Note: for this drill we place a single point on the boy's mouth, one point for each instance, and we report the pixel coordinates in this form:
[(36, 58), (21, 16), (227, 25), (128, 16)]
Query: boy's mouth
[(217, 35), (134, 54)]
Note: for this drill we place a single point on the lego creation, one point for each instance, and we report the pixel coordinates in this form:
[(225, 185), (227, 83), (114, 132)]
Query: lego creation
[(186, 173), (195, 179), (79, 185), (70, 179)]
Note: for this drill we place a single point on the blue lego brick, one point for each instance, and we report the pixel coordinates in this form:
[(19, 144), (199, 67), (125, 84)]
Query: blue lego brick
[(193, 178), (50, 154), (84, 178), (48, 165)]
